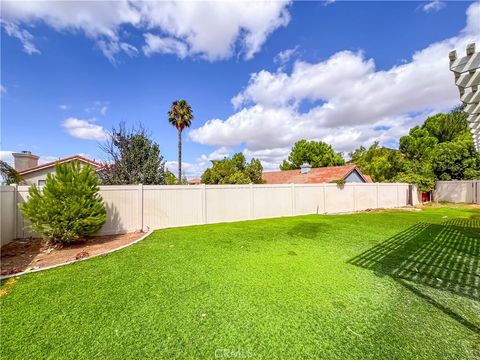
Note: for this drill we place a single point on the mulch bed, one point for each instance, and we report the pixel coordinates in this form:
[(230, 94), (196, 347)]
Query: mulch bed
[(30, 254)]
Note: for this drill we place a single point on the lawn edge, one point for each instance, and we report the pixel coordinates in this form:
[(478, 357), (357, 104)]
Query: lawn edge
[(148, 233)]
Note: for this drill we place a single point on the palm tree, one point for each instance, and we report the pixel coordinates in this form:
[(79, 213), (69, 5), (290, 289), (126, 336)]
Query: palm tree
[(180, 115)]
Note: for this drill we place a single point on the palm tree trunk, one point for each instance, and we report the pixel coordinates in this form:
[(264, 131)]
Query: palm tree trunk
[(179, 156)]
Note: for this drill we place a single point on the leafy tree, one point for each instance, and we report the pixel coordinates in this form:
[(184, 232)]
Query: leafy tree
[(171, 179), (447, 127), (418, 172), (234, 171), (68, 207), (315, 153), (381, 163), (418, 144), (180, 115), (133, 158), (456, 160), (440, 149), (9, 174)]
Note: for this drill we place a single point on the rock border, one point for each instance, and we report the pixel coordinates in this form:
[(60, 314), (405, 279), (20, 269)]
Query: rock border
[(148, 233)]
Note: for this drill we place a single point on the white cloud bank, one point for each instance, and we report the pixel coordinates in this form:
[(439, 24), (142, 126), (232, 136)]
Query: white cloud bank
[(352, 103), (210, 30), (84, 129)]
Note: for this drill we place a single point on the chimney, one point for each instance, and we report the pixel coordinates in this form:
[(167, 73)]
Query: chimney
[(25, 160), (305, 168)]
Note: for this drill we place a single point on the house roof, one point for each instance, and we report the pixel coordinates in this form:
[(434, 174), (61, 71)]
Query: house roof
[(314, 176), (81, 158), (194, 181)]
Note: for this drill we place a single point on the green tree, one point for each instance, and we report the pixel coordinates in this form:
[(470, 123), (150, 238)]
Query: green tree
[(381, 163), (132, 158), (456, 160), (417, 172), (9, 174), (68, 207), (171, 179), (180, 115), (234, 171), (447, 127), (418, 144), (315, 153)]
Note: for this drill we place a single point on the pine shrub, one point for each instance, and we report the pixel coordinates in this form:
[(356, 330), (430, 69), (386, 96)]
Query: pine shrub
[(68, 207)]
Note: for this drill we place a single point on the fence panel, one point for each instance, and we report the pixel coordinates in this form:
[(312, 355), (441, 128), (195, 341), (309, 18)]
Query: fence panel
[(123, 209), (272, 201), (457, 191), (387, 196), (339, 199), (22, 225), (170, 206), (309, 199), (225, 203), (8, 212), (136, 207), (365, 196)]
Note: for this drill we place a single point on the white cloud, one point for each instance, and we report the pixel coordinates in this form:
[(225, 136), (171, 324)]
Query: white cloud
[(25, 37), (99, 107), (434, 5), (284, 56), (84, 129), (211, 30), (3, 89), (98, 20), (189, 170), (351, 102), (164, 45), (203, 162), (64, 107), (6, 155)]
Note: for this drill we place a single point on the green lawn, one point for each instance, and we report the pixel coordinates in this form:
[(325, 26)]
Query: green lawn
[(380, 285)]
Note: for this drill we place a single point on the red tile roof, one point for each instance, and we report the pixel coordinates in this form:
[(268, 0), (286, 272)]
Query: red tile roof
[(81, 158), (314, 176), (195, 181)]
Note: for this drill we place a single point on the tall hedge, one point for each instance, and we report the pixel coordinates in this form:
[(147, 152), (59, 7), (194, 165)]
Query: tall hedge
[(68, 207)]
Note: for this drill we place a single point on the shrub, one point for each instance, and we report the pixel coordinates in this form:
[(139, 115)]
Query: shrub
[(68, 207), (339, 182)]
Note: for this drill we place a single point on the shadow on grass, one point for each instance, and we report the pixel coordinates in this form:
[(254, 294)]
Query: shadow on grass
[(309, 230), (443, 256)]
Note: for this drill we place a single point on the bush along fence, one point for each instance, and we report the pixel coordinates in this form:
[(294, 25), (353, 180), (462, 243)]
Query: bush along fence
[(466, 191), (137, 207)]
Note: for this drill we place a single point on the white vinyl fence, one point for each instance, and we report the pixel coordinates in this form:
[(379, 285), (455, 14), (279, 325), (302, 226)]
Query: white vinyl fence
[(137, 207), (458, 191)]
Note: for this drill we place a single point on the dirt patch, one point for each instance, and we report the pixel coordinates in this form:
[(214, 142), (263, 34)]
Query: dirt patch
[(31, 254)]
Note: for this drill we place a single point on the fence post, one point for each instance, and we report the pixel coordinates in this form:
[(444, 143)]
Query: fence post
[(204, 203), (140, 205)]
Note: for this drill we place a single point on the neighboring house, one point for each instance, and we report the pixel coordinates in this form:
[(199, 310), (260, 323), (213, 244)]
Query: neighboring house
[(307, 175), (27, 166), (195, 181)]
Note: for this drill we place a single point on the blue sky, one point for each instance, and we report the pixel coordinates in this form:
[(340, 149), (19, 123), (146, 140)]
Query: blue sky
[(258, 78)]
